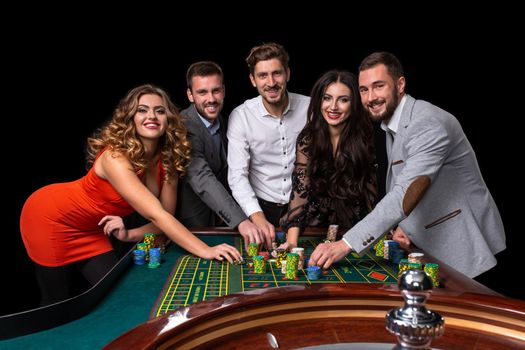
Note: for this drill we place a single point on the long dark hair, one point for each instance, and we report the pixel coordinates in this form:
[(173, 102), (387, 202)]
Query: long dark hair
[(349, 178)]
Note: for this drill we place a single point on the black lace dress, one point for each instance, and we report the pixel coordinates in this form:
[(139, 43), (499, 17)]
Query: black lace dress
[(307, 209)]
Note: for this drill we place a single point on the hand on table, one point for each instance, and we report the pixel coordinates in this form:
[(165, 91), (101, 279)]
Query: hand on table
[(267, 229), (114, 225), (401, 237), (325, 254), (287, 246), (250, 233), (221, 252)]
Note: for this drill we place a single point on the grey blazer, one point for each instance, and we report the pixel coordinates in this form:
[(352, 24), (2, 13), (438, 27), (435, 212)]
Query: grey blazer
[(436, 193), (204, 190)]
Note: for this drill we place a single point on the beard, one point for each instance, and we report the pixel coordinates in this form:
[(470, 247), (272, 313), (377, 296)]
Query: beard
[(389, 109), (202, 111)]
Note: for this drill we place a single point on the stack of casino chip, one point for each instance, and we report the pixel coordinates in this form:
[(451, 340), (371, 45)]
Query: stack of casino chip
[(414, 266), (313, 272), (299, 251), (432, 270), (416, 257), (154, 258), (386, 248), (253, 249), (259, 265), (379, 246), (283, 267), (392, 251), (139, 256), (281, 255), (405, 265), (143, 246), (292, 262), (149, 240)]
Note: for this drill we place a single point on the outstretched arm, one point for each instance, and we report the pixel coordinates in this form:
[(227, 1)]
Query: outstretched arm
[(238, 179), (118, 171), (113, 224), (239, 165), (297, 217), (426, 147), (205, 183)]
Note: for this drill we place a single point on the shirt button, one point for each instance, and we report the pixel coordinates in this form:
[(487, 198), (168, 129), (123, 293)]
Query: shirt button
[(284, 152), (282, 138), (286, 167), (281, 123), (284, 179)]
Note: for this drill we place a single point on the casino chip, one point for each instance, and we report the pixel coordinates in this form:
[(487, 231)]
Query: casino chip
[(239, 262)]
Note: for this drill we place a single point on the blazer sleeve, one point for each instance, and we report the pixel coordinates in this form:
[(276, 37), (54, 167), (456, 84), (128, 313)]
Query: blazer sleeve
[(206, 185)]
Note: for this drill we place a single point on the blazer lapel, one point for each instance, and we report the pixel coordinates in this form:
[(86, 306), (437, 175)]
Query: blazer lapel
[(395, 151), (389, 143), (224, 141)]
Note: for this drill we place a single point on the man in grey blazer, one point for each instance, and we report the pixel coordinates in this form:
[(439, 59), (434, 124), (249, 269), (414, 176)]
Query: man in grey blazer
[(435, 195), (203, 194)]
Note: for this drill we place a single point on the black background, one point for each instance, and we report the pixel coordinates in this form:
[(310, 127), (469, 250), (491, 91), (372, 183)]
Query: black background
[(69, 74)]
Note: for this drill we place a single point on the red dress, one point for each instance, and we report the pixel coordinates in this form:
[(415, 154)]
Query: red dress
[(59, 222)]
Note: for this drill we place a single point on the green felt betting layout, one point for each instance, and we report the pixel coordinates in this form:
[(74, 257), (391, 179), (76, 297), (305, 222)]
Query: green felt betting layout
[(194, 279)]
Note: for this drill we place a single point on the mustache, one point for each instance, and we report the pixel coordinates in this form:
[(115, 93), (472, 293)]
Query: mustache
[(376, 102)]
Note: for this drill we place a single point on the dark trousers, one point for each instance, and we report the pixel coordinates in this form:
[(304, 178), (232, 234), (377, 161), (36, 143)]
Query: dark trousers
[(63, 282), (273, 211)]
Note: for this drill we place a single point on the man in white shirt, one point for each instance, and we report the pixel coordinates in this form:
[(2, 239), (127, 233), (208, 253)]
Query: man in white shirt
[(261, 140)]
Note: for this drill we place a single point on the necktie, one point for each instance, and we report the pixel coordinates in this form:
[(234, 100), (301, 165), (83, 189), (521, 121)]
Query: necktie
[(217, 144)]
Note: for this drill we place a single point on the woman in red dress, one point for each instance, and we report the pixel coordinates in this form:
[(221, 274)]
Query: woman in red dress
[(135, 161)]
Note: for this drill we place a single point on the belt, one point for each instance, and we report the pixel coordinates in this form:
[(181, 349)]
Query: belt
[(271, 204)]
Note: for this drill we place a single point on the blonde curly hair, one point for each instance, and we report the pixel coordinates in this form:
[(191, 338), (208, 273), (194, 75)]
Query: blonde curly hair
[(119, 134)]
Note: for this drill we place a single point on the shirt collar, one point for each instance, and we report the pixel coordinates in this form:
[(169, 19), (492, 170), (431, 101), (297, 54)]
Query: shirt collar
[(289, 107), (212, 128), (393, 123)]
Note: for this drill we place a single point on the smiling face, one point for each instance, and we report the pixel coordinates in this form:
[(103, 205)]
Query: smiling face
[(207, 94), (380, 94), (336, 104), (151, 117), (270, 78)]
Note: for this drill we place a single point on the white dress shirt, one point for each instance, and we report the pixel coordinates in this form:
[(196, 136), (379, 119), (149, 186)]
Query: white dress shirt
[(393, 123), (261, 151)]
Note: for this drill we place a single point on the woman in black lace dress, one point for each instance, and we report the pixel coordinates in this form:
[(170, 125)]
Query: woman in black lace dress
[(334, 178)]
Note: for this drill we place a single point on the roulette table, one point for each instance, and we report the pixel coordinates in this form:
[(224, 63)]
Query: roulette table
[(194, 279), (236, 313)]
